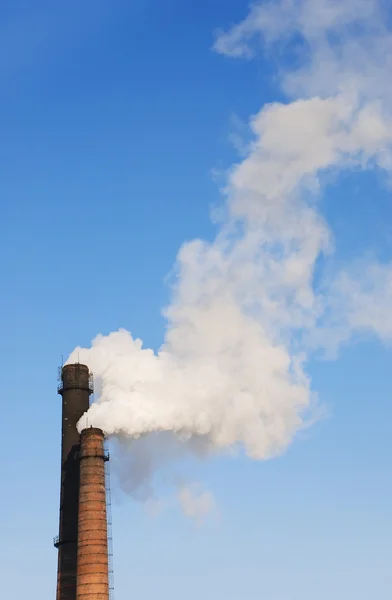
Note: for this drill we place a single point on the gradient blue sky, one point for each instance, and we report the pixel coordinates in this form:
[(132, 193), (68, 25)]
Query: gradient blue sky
[(114, 116)]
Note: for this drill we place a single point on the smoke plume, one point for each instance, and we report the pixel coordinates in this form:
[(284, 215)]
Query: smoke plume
[(246, 311), (195, 502)]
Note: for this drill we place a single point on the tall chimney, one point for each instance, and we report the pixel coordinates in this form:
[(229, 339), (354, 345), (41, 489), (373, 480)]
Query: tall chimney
[(93, 571), (75, 389)]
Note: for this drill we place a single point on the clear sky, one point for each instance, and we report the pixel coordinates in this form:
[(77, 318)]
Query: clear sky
[(116, 117)]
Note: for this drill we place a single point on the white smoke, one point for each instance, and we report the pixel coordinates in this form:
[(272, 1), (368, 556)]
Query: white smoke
[(192, 499), (195, 502), (245, 310)]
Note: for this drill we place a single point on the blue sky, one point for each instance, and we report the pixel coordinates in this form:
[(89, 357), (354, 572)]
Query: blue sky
[(114, 119)]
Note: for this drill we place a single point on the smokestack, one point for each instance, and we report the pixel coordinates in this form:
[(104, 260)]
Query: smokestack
[(93, 570), (75, 389)]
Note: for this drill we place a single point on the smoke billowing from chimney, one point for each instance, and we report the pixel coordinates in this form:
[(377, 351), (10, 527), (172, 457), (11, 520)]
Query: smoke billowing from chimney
[(245, 310), (238, 388)]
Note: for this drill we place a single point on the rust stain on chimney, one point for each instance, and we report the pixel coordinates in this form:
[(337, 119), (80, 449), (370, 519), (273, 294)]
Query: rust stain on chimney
[(92, 560), (75, 389)]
